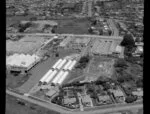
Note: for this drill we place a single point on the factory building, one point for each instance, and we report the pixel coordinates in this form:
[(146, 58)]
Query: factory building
[(21, 63)]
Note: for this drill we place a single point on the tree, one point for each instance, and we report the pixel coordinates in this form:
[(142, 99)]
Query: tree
[(139, 83), (128, 41), (90, 30), (33, 19), (121, 63), (130, 99)]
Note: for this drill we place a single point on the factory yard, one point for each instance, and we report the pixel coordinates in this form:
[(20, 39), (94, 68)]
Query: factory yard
[(36, 73), (70, 49)]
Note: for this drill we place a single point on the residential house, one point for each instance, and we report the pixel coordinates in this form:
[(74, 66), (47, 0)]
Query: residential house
[(87, 101), (118, 95)]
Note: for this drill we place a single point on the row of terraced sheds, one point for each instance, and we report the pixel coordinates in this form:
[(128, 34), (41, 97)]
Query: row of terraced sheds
[(59, 71)]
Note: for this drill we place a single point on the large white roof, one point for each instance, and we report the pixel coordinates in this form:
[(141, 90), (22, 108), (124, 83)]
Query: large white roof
[(21, 60)]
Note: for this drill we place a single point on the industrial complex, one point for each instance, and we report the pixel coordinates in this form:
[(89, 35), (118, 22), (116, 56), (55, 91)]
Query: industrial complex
[(74, 56)]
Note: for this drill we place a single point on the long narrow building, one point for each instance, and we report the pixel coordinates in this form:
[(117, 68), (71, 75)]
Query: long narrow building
[(61, 64), (47, 80), (72, 65), (59, 75), (62, 78), (57, 63), (67, 65), (46, 75)]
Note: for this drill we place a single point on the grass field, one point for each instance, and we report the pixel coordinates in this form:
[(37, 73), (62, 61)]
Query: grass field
[(12, 107), (73, 26), (70, 26), (16, 19)]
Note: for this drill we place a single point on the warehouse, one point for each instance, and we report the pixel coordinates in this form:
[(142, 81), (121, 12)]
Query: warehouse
[(21, 63)]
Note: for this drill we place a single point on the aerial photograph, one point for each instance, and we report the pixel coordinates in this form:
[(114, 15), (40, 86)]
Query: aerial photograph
[(74, 56)]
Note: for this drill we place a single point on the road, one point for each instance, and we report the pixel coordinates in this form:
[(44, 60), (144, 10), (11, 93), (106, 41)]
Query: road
[(89, 8), (76, 35), (113, 27), (63, 111)]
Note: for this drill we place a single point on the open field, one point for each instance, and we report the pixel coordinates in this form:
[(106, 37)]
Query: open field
[(101, 66), (12, 107)]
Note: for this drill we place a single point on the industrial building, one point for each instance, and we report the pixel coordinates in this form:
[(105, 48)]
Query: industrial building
[(58, 73), (21, 63)]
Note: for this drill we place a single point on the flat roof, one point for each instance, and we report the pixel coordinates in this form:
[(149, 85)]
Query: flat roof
[(21, 60)]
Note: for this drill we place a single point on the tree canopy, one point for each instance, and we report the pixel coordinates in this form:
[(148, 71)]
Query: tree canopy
[(128, 41)]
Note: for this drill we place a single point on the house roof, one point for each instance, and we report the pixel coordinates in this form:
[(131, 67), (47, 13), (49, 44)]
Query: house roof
[(51, 92), (86, 98), (103, 98), (118, 93), (69, 100)]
